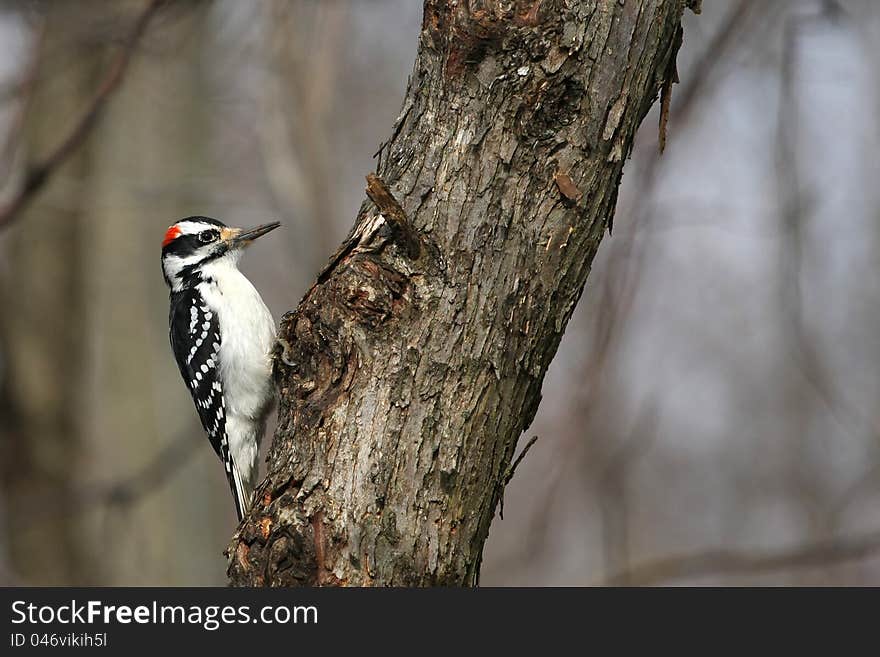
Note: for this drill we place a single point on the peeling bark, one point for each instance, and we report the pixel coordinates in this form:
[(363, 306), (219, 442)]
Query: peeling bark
[(410, 369)]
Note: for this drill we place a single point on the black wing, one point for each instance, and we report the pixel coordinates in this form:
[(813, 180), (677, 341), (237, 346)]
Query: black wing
[(195, 340)]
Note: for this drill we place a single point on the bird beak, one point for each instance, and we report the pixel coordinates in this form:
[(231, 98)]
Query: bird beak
[(238, 238)]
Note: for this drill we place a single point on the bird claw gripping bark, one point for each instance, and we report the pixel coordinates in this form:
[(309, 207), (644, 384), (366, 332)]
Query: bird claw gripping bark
[(285, 353)]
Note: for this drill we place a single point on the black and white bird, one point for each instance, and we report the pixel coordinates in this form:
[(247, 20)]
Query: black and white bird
[(222, 335)]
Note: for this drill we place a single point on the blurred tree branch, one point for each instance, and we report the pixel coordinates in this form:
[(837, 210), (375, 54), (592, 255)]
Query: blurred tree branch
[(38, 174), (80, 385), (797, 211), (130, 489), (167, 462), (716, 563), (26, 86)]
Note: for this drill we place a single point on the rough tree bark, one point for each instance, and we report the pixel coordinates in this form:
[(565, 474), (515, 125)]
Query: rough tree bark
[(412, 366)]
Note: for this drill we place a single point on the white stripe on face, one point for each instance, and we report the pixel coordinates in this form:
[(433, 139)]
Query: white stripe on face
[(194, 227)]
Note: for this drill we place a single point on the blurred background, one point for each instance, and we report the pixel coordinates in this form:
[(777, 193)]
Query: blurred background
[(711, 416)]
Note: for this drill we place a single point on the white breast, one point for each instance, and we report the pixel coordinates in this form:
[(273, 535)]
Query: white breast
[(248, 333)]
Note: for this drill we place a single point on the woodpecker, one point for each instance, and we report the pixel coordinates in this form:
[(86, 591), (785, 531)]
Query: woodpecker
[(221, 335)]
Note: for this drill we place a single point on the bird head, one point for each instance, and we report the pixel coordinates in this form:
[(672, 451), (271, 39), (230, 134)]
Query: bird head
[(191, 243)]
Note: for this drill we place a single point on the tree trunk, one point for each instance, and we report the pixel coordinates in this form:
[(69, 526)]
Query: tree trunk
[(410, 369)]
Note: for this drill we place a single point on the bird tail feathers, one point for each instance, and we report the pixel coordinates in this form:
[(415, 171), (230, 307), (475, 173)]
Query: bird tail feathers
[(240, 492)]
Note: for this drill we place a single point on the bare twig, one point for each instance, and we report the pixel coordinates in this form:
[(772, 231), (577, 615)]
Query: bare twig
[(723, 39), (511, 469), (733, 562), (39, 174), (508, 474), (379, 194), (671, 77), (390, 208), (705, 67), (362, 233)]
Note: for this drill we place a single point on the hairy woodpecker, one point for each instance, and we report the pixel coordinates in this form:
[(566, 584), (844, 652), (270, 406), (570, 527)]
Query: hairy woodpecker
[(221, 334)]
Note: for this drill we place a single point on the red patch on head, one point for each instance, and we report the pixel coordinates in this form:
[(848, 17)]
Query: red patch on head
[(170, 235)]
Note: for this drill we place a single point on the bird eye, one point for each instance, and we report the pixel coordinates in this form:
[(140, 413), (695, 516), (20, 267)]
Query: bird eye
[(207, 236)]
